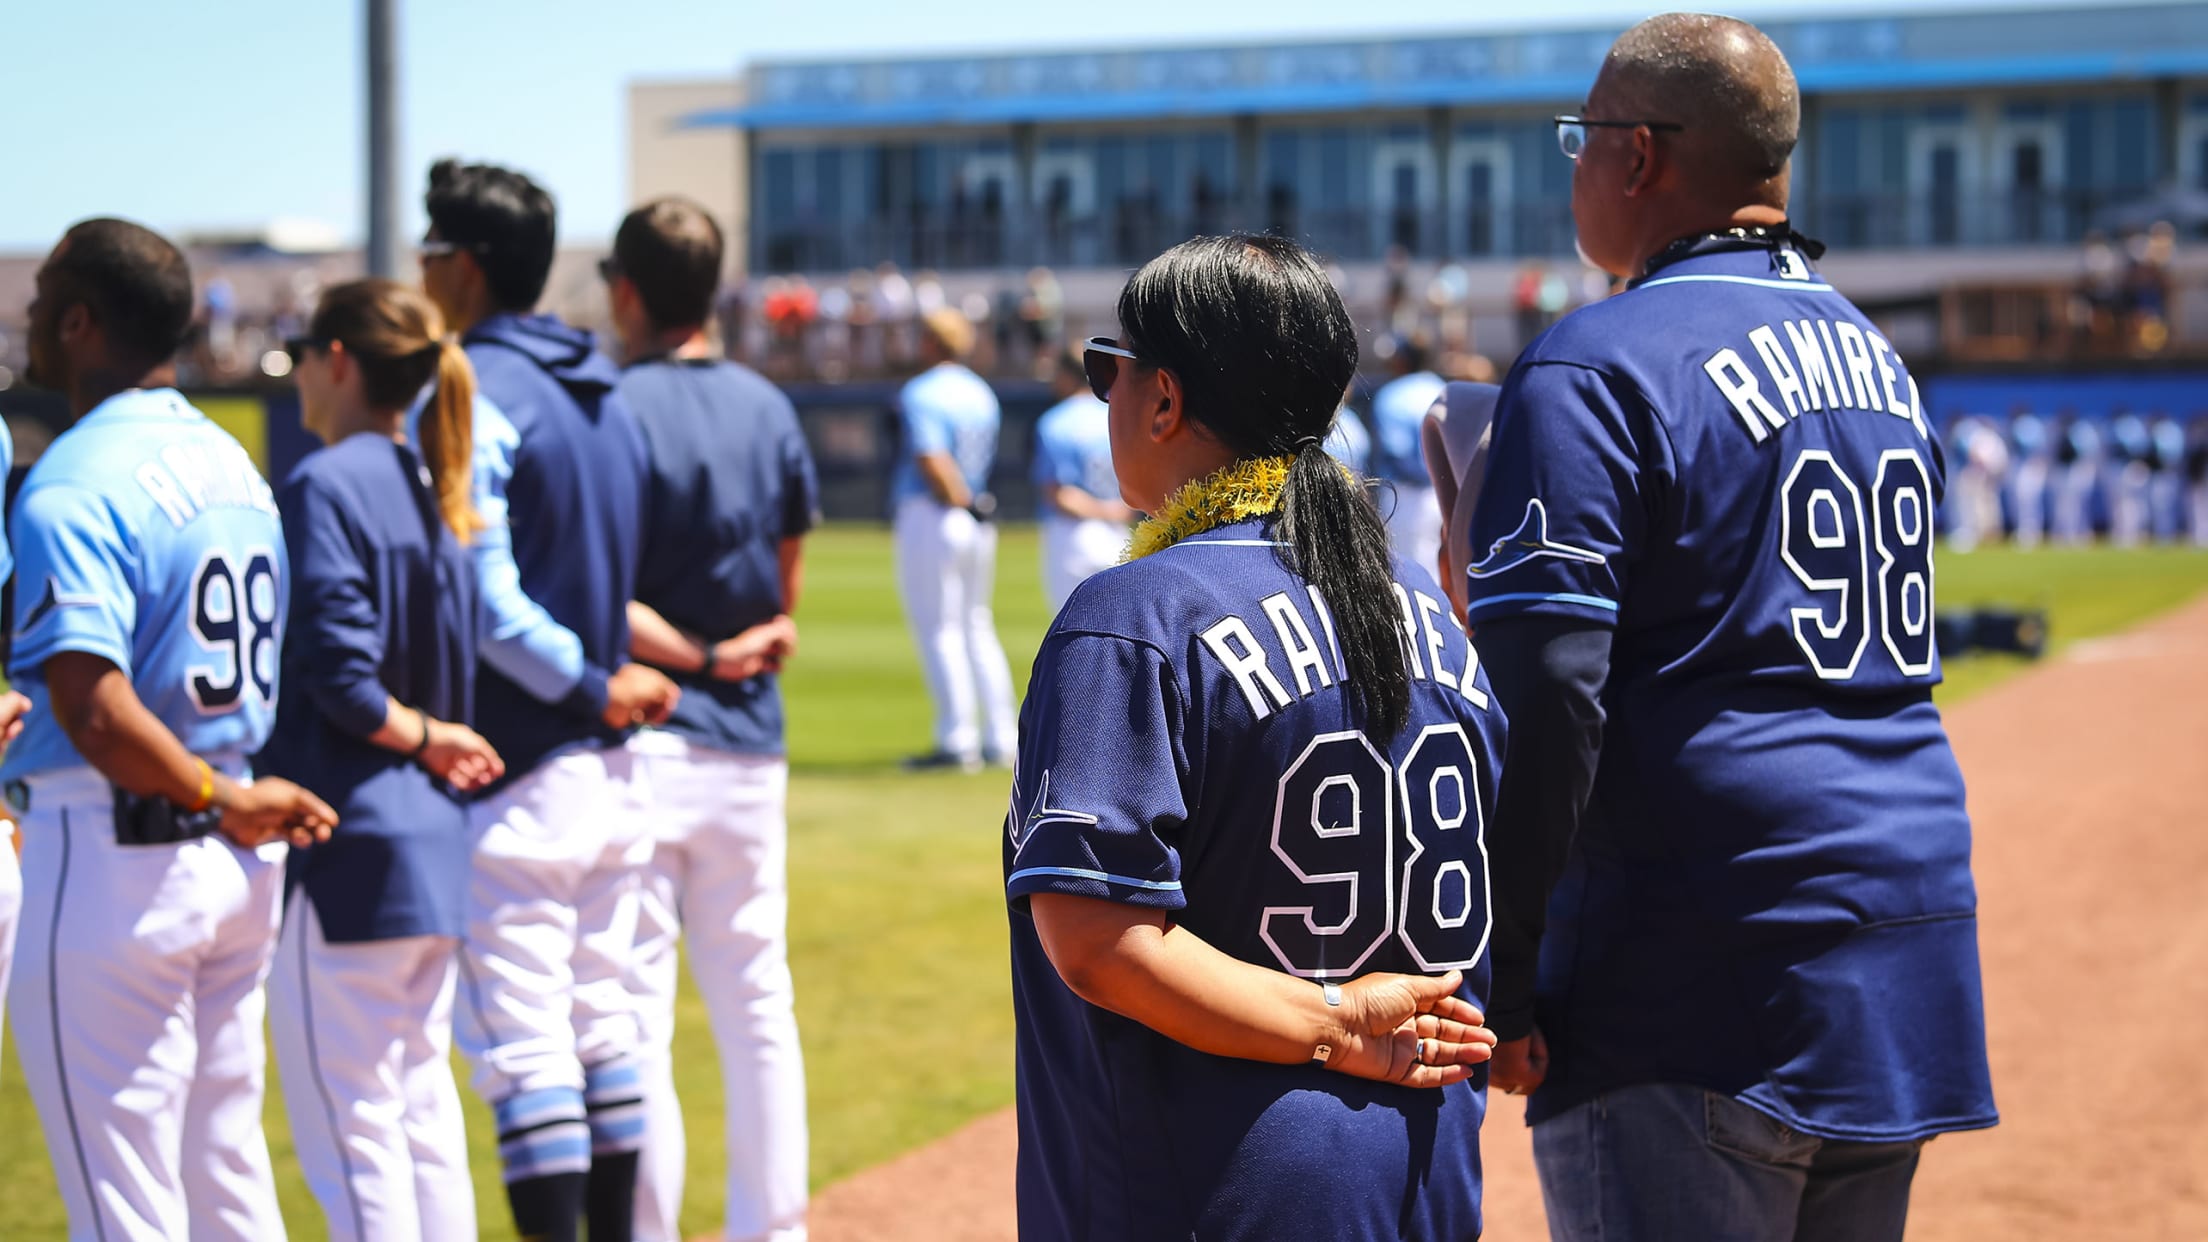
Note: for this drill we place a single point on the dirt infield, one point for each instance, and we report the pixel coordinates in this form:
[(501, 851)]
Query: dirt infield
[(2089, 789)]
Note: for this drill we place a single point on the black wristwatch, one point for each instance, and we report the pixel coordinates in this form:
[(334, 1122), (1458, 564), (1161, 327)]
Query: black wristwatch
[(421, 747)]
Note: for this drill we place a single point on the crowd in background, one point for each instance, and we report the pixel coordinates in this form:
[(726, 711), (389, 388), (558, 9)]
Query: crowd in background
[(2065, 478)]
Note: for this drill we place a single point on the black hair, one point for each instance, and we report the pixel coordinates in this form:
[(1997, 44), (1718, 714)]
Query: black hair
[(1263, 347), (501, 218), (670, 249), (133, 281)]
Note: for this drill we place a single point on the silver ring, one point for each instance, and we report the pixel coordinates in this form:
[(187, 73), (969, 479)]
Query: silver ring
[(1418, 1057)]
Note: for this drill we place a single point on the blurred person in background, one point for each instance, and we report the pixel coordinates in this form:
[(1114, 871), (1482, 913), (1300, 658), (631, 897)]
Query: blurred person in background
[(2129, 480), (1398, 412), (2166, 457), (731, 491), (560, 848), (2077, 473), (2196, 480), (379, 662), (2031, 458), (1084, 520), (1981, 461), (946, 546), (1348, 441)]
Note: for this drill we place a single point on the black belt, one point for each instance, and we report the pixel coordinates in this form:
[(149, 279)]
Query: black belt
[(140, 820)]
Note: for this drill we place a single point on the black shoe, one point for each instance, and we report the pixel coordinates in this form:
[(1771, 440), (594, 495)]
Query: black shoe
[(943, 761)]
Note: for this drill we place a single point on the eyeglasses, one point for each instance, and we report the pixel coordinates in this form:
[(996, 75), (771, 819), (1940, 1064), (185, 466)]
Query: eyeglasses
[(609, 269), (1571, 131), (438, 248), (297, 348), (1100, 357)]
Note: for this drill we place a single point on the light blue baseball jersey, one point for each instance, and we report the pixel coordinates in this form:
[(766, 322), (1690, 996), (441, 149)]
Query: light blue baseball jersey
[(1073, 447), (946, 409), (7, 467), (145, 535), (1398, 415)]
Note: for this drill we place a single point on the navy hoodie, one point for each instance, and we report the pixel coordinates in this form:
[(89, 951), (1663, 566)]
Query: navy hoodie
[(560, 469)]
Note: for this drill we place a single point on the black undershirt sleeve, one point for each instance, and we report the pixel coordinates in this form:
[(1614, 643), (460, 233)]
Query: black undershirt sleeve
[(1548, 674)]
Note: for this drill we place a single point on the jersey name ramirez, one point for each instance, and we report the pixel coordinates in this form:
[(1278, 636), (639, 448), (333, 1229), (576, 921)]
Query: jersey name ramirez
[(1811, 366), (1313, 662)]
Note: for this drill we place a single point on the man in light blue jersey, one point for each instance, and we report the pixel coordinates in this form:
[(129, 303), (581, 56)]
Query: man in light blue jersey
[(947, 548), (147, 627), (1348, 442), (1084, 520), (1398, 413)]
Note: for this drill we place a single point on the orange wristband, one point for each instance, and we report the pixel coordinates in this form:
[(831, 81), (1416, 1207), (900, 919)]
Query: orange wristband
[(206, 787)]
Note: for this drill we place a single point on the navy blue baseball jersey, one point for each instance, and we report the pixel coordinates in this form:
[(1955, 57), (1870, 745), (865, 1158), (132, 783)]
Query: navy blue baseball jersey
[(383, 605), (1770, 894), (730, 479), (145, 535), (559, 480), (1186, 745)]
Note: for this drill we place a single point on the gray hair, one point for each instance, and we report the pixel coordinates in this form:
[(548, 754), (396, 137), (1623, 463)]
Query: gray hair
[(1721, 78)]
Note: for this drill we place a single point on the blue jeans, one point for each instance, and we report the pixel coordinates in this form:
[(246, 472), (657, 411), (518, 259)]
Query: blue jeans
[(1669, 1163)]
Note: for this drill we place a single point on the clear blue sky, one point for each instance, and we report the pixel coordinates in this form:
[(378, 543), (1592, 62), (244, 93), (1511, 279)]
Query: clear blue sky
[(228, 113)]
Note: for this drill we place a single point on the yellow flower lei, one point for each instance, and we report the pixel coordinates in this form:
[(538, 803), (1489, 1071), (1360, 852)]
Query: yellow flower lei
[(1234, 493)]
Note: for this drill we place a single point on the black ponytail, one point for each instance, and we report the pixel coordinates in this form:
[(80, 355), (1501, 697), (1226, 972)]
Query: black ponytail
[(1263, 348)]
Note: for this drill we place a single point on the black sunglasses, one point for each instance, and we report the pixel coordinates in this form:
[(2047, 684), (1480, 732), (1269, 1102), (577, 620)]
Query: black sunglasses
[(297, 348), (1571, 131), (609, 269), (1100, 357)]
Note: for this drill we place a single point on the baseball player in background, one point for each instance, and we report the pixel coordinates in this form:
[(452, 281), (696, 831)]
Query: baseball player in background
[(379, 664), (1705, 594), (12, 707), (731, 491), (1246, 854), (1348, 442), (1398, 415), (148, 622), (1084, 520), (947, 547), (545, 1013)]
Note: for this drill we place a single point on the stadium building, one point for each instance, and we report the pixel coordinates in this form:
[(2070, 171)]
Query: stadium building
[(1928, 136)]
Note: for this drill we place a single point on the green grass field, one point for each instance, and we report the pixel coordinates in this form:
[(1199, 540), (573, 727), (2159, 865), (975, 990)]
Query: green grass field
[(897, 932)]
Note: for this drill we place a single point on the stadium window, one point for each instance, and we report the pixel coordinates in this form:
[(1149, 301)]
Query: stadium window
[(1281, 168)]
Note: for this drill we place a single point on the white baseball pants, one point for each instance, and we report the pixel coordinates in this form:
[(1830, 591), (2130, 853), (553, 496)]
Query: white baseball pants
[(946, 573), (1072, 550), (1414, 526), (11, 905), (138, 1006), (544, 1015), (719, 878), (364, 1040)]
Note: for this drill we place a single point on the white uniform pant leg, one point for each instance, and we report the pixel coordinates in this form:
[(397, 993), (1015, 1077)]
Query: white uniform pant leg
[(930, 539), (607, 1032), (992, 672), (534, 841), (1061, 573), (111, 1017), (11, 905), (361, 1032), (655, 973), (2198, 497), (736, 919), (1414, 527), (228, 1180), (2031, 503)]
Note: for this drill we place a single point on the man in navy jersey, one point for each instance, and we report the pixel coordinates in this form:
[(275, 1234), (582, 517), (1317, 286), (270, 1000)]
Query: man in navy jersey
[(731, 492), (1704, 556), (560, 848)]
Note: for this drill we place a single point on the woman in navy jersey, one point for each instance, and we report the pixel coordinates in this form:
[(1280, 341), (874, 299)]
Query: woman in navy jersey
[(378, 666), (1246, 852)]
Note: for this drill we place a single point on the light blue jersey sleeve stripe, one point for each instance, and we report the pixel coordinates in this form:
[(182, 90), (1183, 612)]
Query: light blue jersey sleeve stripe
[(1083, 873), (1800, 286), (538, 653), (1539, 597)]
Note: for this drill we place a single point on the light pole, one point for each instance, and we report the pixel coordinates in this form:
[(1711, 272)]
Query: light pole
[(383, 138)]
